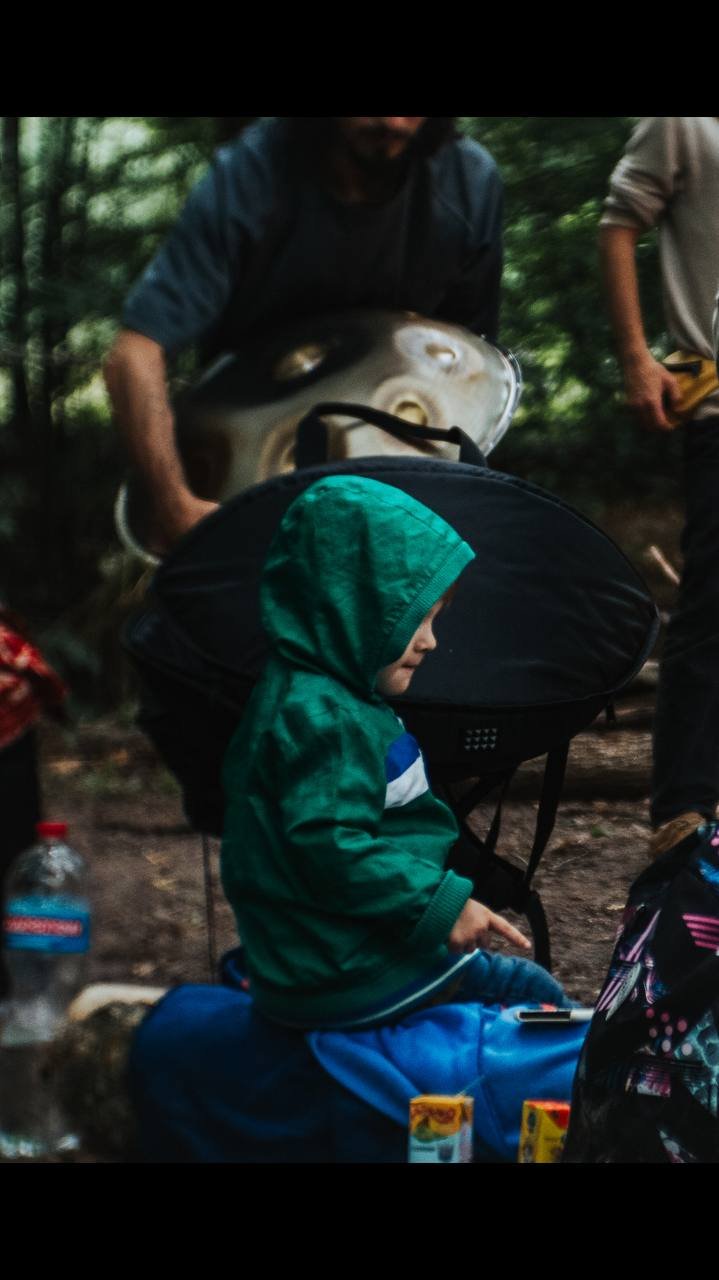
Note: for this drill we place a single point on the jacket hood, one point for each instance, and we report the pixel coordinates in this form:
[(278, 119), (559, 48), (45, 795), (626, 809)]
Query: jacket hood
[(351, 573)]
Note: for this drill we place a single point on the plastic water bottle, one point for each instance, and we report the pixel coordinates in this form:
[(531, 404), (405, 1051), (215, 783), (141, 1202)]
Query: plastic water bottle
[(46, 933)]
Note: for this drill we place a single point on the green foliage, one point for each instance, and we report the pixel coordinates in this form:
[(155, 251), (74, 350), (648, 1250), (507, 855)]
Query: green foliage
[(84, 202), (571, 432)]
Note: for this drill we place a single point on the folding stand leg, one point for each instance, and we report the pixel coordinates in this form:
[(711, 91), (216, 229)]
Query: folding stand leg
[(209, 909), (499, 883)]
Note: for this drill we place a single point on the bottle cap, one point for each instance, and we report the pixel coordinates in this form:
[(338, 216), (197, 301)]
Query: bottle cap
[(45, 829)]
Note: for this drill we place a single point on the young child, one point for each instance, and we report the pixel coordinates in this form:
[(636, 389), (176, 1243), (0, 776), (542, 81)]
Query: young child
[(334, 850)]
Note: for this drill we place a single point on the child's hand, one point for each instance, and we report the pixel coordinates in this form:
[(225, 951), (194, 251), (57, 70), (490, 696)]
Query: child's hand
[(474, 925)]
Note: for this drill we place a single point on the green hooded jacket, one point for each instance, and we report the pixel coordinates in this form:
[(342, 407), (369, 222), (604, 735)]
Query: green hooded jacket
[(334, 847)]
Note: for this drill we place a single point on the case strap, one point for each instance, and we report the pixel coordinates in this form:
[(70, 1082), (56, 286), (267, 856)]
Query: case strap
[(500, 883), (311, 439)]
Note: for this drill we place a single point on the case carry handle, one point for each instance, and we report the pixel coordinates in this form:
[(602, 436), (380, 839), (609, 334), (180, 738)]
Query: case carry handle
[(311, 440)]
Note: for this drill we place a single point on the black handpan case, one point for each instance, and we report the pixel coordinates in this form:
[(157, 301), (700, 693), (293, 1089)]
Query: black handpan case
[(550, 621)]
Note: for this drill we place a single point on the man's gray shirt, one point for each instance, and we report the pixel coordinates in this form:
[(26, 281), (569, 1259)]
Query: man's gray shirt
[(669, 176)]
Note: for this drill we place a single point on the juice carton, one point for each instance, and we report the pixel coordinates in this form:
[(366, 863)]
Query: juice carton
[(544, 1129), (440, 1129)]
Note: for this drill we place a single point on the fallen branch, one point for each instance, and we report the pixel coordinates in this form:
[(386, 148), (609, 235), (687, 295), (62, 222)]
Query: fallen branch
[(659, 559)]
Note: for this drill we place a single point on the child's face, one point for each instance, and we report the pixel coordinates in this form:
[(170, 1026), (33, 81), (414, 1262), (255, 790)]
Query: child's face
[(397, 677)]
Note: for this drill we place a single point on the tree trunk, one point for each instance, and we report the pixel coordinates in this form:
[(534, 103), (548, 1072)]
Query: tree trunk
[(14, 271), (54, 322)]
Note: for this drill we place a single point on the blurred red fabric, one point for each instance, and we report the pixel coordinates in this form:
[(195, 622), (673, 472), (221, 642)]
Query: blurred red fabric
[(28, 686)]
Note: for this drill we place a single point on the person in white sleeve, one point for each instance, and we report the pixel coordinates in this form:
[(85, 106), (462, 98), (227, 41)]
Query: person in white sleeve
[(669, 177)]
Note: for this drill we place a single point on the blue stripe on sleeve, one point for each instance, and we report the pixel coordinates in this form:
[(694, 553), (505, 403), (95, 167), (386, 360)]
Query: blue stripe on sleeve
[(401, 756)]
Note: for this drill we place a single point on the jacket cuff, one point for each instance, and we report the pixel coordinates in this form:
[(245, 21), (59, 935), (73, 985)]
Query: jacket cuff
[(435, 925)]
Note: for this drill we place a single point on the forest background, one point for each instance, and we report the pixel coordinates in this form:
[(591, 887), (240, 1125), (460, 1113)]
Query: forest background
[(84, 202)]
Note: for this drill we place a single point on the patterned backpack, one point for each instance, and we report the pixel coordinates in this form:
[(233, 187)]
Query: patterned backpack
[(647, 1084)]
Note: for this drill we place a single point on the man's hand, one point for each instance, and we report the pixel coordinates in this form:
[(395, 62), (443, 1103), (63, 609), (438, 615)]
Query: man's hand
[(474, 925), (650, 388), (169, 524)]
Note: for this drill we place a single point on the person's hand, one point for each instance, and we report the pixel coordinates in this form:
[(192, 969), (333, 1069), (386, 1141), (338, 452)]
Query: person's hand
[(177, 518), (473, 927), (650, 388)]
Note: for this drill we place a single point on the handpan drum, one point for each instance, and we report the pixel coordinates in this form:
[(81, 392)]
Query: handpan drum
[(236, 426)]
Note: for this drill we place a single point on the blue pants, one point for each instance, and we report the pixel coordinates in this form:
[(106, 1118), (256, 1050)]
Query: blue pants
[(486, 977), (686, 725), (491, 978)]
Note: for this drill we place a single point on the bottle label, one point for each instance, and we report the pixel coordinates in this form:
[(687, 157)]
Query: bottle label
[(46, 924)]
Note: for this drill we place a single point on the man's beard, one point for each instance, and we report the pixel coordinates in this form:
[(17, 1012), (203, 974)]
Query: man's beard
[(372, 161)]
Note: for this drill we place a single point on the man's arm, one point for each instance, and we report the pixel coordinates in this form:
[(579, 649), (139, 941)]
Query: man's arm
[(474, 302), (136, 378), (175, 304), (473, 299), (648, 385)]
